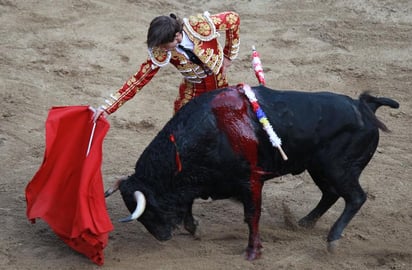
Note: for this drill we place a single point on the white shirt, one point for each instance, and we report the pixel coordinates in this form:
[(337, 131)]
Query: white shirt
[(186, 42)]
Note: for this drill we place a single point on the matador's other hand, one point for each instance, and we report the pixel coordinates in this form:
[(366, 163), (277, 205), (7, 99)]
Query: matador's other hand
[(226, 64), (97, 113)]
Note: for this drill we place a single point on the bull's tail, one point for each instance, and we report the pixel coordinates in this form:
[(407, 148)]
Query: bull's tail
[(373, 103)]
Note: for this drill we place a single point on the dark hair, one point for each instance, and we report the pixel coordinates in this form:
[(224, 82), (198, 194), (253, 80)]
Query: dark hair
[(163, 30)]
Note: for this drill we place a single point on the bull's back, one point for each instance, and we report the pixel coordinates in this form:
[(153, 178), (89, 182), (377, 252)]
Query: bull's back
[(308, 116)]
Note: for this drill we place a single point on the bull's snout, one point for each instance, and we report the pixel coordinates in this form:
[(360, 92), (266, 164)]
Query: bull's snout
[(161, 233)]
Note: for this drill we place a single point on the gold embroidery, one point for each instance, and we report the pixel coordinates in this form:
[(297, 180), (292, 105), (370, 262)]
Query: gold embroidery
[(232, 18), (159, 57), (131, 80), (204, 29), (217, 21), (189, 93), (201, 26)]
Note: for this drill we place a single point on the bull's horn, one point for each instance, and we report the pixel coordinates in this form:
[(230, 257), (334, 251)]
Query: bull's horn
[(140, 206), (115, 187)]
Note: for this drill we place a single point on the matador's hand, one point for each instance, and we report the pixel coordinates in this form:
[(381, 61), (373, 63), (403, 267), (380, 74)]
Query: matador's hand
[(97, 113), (226, 64)]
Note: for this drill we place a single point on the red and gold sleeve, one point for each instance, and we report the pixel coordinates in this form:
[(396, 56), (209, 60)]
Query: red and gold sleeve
[(131, 87), (228, 22)]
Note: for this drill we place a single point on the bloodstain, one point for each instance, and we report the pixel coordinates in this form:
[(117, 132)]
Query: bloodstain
[(230, 108)]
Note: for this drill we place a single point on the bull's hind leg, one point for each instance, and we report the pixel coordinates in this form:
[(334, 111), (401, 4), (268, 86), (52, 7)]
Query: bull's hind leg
[(329, 197), (335, 183), (354, 197)]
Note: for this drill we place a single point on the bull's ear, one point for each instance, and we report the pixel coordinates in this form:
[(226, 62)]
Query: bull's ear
[(115, 187), (110, 191), (140, 206)]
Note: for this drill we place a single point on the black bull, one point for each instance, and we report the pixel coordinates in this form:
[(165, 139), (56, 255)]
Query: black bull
[(215, 147)]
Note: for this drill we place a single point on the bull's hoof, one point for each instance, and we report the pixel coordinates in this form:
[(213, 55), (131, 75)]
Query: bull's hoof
[(332, 246), (193, 228), (197, 233), (253, 253)]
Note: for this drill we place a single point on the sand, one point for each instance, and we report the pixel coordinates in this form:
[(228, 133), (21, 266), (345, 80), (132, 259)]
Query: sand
[(58, 53)]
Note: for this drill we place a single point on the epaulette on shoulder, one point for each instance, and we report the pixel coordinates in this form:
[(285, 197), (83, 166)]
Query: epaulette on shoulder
[(201, 26), (159, 57)]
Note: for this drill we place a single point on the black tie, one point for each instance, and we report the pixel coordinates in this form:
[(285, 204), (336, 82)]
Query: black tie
[(194, 59)]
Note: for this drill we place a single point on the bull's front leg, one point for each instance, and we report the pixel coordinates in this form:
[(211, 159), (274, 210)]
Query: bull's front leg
[(252, 216), (190, 223), (254, 247)]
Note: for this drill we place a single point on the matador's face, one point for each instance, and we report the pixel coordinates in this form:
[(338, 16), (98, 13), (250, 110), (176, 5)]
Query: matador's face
[(172, 45)]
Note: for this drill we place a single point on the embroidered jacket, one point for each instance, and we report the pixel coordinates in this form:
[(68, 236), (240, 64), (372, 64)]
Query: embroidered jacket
[(203, 30)]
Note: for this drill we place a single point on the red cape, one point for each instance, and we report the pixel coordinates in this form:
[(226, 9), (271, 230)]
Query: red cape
[(67, 190)]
